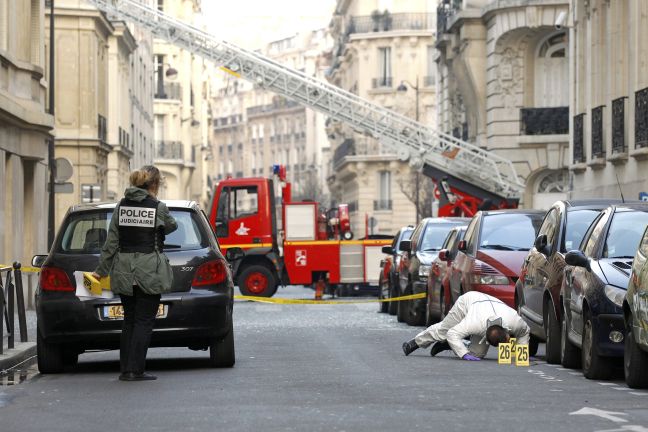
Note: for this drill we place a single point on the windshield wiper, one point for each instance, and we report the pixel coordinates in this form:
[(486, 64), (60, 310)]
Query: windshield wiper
[(431, 250), (172, 246), (622, 257), (502, 247)]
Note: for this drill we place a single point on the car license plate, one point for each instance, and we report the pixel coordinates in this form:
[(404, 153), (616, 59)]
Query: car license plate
[(116, 312)]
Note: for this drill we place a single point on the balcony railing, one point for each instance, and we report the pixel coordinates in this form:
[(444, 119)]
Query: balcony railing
[(384, 204), (641, 118), (389, 22), (579, 150), (169, 90), (618, 125), (598, 149), (382, 82), (347, 148), (544, 121), (169, 150), (278, 104)]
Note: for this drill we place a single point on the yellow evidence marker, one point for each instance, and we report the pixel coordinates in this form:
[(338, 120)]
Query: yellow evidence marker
[(522, 355), (504, 353), (95, 286)]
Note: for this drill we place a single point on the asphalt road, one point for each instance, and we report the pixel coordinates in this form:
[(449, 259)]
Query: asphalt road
[(319, 368)]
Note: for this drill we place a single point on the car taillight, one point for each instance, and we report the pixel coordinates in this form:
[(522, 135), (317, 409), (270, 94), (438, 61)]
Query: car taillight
[(55, 279), (210, 273)]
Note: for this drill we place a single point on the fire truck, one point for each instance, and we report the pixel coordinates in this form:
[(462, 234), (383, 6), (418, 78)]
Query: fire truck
[(468, 177), (288, 242)]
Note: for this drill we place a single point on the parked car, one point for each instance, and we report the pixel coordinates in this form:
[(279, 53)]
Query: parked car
[(594, 288), (537, 292), (439, 300), (420, 250), (197, 313), (388, 281), (492, 252), (635, 311)]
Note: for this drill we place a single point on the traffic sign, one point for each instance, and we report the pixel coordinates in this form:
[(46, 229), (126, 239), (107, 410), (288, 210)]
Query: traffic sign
[(643, 196)]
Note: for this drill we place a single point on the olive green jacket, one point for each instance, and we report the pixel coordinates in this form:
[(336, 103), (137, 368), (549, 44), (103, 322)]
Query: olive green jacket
[(150, 271)]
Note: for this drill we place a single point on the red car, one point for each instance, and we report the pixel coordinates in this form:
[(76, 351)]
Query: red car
[(492, 253), (438, 285)]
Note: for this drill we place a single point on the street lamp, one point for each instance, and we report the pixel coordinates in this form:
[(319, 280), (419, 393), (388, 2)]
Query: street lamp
[(402, 88)]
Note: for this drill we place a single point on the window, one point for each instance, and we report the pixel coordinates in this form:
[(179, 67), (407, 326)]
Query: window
[(434, 236), (594, 233), (471, 235), (643, 247), (235, 203), (625, 231), (385, 185), (384, 64), (160, 5), (577, 224), (550, 227), (159, 127), (85, 232), (513, 232), (189, 235)]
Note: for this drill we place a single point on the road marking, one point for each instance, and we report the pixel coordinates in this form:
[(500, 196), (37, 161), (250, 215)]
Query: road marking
[(639, 394), (574, 373), (563, 369), (609, 415), (606, 384), (621, 388)]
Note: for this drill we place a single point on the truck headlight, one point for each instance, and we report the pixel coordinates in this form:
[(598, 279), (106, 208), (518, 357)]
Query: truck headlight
[(487, 279), (616, 295), (424, 271)]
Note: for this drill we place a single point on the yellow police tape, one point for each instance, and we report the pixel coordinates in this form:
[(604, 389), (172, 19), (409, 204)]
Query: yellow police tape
[(22, 269), (305, 301)]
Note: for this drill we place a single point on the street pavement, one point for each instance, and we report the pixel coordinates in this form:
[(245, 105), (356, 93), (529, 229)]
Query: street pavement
[(318, 368)]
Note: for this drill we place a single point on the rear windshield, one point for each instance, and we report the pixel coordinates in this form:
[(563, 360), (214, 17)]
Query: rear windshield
[(434, 236), (578, 222), (85, 232), (512, 231)]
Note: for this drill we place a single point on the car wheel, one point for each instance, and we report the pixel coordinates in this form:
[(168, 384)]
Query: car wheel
[(533, 346), (257, 280), (635, 363), (221, 351), (570, 356), (383, 305), (70, 357), (594, 365), (50, 356), (392, 307), (403, 306), (553, 336), (415, 313)]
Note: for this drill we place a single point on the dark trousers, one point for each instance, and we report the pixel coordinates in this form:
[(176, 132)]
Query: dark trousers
[(140, 310)]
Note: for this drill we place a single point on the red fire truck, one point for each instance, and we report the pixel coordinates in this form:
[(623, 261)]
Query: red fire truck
[(289, 243)]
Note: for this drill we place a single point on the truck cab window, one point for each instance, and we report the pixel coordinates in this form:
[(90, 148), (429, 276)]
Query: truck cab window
[(244, 202)]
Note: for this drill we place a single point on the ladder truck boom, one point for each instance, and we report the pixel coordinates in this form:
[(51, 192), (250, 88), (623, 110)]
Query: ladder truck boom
[(408, 139)]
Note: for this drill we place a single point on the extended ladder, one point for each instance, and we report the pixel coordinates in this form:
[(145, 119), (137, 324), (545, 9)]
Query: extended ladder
[(409, 139)]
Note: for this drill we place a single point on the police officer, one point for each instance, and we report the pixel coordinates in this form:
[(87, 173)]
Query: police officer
[(139, 271), (484, 319)]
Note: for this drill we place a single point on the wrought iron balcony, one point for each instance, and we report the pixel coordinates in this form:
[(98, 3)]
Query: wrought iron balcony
[(598, 147), (380, 22), (641, 118), (169, 90), (618, 125), (347, 148), (169, 150), (544, 121), (382, 82), (579, 149), (383, 204)]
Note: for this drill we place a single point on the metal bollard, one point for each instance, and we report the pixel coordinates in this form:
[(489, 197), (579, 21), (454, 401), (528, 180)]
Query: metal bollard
[(2, 316), (10, 312), (20, 299)]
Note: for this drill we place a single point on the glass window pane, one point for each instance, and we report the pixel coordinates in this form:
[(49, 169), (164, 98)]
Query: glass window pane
[(624, 234)]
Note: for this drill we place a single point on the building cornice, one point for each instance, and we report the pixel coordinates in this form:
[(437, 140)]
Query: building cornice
[(20, 114)]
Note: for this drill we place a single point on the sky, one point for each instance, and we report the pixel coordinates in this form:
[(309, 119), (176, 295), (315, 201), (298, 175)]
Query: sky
[(253, 23)]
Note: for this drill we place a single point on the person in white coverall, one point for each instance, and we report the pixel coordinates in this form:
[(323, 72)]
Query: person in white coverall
[(484, 319)]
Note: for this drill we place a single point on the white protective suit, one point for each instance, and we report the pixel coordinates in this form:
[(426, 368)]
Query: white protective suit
[(469, 317)]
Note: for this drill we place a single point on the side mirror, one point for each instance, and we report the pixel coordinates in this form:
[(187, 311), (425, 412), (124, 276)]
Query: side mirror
[(540, 244), (578, 259), (234, 254), (405, 246), (387, 250), (38, 260), (462, 246), (443, 255)]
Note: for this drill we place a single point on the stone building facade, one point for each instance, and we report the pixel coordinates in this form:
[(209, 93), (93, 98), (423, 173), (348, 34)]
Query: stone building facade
[(380, 46), (182, 111), (609, 98), (255, 129), (25, 128), (504, 85)]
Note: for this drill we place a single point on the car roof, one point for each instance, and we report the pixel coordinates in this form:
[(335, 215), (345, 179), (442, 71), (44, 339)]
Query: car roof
[(593, 204), (643, 207), (441, 220), (111, 205), (512, 211)]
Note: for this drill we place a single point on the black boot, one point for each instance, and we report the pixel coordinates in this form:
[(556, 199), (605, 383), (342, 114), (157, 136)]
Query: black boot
[(409, 347), (438, 347)]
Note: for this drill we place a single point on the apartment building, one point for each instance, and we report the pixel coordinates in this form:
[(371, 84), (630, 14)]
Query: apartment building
[(384, 52), (609, 98), (25, 128)]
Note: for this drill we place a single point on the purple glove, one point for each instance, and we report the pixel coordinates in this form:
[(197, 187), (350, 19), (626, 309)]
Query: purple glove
[(470, 357)]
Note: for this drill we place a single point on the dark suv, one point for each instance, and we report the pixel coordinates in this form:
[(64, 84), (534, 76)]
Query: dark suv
[(420, 250), (196, 314), (537, 292)]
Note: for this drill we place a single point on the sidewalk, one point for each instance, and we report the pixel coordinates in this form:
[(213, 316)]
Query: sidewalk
[(22, 351)]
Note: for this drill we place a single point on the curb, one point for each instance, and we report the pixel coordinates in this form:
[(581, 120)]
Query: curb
[(12, 357)]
